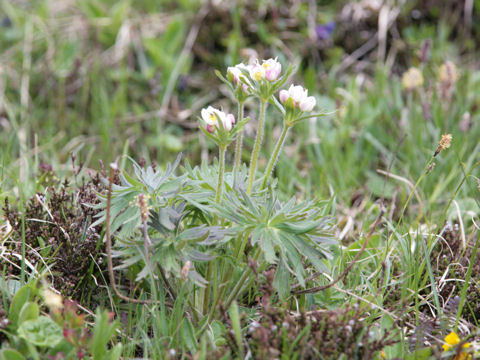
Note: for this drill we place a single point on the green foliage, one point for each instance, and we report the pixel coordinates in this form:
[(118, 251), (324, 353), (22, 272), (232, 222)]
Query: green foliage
[(42, 332), (97, 79), (62, 332)]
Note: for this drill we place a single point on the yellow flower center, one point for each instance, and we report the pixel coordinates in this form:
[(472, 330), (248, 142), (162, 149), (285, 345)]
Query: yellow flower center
[(258, 75), (212, 118)]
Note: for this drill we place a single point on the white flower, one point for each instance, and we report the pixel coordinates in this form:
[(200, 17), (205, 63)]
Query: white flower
[(307, 104), (257, 72), (236, 71), (211, 116), (272, 69), (297, 93), (299, 96)]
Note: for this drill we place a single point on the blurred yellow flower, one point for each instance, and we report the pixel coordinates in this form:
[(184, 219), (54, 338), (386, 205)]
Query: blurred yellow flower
[(451, 340), (412, 79), (52, 300), (448, 73)]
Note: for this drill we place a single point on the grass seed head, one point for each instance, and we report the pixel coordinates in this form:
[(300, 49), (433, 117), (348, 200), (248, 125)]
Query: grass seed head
[(444, 143)]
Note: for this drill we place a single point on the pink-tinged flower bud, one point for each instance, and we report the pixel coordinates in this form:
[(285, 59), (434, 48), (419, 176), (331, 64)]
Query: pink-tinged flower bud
[(234, 73), (210, 128), (283, 96), (227, 122), (308, 104), (245, 88)]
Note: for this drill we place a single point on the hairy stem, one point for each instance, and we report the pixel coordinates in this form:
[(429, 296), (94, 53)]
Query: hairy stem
[(276, 153), (221, 170), (239, 143), (256, 148)]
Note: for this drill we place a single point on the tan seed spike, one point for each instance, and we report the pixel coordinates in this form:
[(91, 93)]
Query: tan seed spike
[(443, 144)]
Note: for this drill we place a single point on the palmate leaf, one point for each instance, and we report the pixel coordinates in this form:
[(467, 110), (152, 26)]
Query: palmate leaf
[(172, 244), (285, 232), (200, 186), (125, 216)]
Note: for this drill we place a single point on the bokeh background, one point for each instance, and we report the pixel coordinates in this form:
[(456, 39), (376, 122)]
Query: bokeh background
[(102, 79)]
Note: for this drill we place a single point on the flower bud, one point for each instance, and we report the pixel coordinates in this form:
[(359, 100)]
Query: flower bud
[(283, 96)]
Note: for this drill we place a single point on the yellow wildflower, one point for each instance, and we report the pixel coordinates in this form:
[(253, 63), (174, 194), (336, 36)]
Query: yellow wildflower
[(451, 340), (412, 79)]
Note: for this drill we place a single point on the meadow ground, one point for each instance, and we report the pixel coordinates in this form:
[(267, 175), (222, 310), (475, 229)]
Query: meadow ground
[(376, 256)]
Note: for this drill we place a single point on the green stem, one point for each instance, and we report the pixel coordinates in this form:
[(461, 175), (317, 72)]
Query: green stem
[(238, 286), (211, 268), (412, 192), (256, 148), (221, 170), (206, 294), (239, 143), (276, 153)]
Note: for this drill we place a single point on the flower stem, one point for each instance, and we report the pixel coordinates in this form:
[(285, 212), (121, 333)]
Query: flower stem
[(238, 286), (221, 170), (276, 153), (239, 143), (256, 148), (211, 274)]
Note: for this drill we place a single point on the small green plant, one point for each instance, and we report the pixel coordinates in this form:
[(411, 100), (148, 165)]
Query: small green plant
[(197, 233), (62, 333)]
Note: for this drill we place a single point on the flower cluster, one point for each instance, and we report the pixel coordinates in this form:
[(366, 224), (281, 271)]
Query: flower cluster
[(412, 79), (269, 69), (212, 116), (299, 97)]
